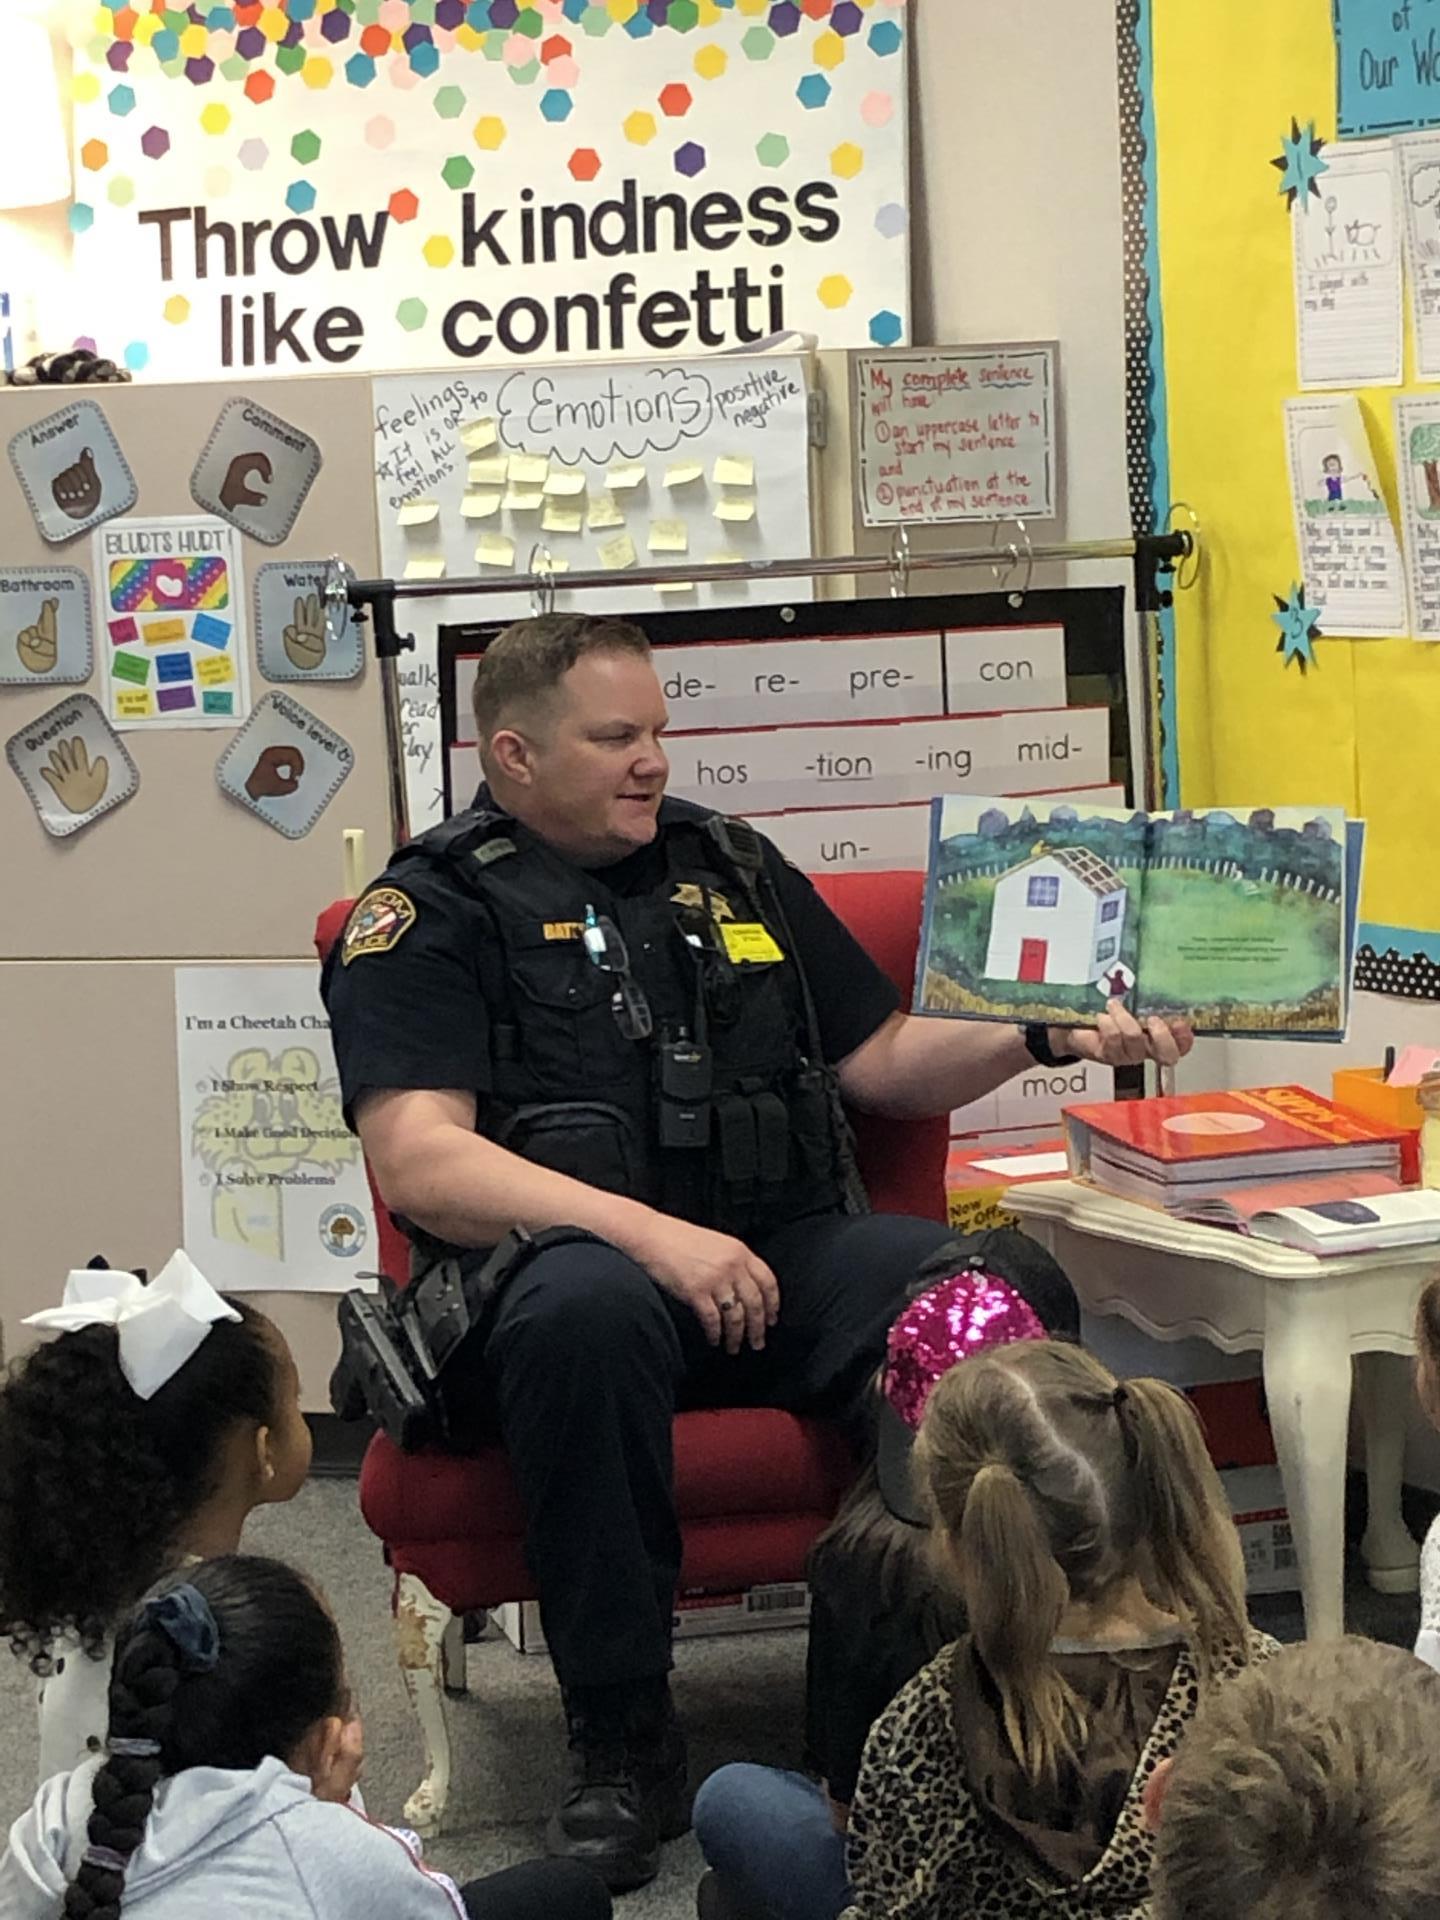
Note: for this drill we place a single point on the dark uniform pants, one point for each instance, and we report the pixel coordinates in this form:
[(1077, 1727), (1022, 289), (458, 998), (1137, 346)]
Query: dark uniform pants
[(589, 1361)]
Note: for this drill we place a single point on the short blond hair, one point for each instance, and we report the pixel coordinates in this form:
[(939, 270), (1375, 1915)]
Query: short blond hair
[(1308, 1788), (523, 666)]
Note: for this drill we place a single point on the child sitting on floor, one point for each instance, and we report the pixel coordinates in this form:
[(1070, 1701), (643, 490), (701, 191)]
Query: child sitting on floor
[(774, 1841), (138, 1440), (1100, 1570), (1307, 1789), (231, 1754)]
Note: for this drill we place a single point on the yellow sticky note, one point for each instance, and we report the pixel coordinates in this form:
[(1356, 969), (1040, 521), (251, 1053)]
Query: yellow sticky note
[(604, 512), (749, 940), (617, 554), (630, 473), (552, 564), (133, 703), (489, 470), (734, 470), (737, 507), (529, 469), (214, 669), (724, 560), (481, 504), (159, 633), (684, 473), (565, 481), (524, 499), (557, 519), (495, 550), (674, 586), (418, 513), (669, 536), (477, 435), (426, 566)]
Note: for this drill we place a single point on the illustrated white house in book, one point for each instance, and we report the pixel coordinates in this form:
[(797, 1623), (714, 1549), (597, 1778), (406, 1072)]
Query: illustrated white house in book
[(1057, 918)]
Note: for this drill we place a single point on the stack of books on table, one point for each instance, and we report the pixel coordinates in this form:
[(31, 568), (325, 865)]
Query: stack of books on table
[(1280, 1163)]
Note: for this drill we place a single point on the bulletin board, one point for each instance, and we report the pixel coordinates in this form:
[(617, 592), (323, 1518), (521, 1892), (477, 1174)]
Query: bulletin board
[(179, 886), (1355, 725), (595, 465)]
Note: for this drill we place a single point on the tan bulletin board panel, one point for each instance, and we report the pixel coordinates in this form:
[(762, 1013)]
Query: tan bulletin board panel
[(179, 871)]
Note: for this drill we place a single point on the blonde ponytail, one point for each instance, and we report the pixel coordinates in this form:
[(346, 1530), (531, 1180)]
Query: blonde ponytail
[(1015, 1595), (1194, 1547)]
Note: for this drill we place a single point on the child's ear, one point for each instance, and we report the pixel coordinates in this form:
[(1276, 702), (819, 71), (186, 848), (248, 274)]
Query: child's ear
[(264, 1464), (319, 1751), (1152, 1801)]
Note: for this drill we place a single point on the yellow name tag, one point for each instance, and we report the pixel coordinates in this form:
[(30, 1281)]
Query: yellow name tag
[(563, 929), (747, 940)]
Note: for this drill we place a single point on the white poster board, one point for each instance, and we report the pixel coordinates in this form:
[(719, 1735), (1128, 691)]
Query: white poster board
[(454, 183), (664, 463), (956, 433), (274, 1191)]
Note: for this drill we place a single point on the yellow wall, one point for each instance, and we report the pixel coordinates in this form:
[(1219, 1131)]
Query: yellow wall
[(1360, 728)]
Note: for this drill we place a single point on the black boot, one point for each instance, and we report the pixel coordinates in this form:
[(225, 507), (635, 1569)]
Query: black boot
[(626, 1788)]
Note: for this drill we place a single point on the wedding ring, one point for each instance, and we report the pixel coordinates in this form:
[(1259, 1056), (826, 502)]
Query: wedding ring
[(729, 1306)]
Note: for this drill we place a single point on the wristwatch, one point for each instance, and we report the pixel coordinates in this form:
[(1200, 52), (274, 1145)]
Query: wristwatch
[(1037, 1045)]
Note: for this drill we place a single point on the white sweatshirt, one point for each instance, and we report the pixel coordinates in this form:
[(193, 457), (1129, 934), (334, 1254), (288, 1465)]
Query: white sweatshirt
[(258, 1844)]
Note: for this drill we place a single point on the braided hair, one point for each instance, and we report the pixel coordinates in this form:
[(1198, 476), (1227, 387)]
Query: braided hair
[(96, 1484), (230, 1666)]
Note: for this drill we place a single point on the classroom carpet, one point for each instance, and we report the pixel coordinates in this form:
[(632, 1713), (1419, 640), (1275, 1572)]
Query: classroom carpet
[(739, 1697)]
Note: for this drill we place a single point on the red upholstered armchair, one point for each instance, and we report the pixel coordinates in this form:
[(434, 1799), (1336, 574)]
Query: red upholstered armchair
[(753, 1487)]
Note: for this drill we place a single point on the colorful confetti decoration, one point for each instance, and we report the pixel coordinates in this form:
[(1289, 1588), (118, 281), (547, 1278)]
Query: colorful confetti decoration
[(1299, 626), (1299, 164)]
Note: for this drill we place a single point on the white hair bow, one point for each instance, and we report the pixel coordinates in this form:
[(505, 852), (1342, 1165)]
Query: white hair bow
[(160, 1325)]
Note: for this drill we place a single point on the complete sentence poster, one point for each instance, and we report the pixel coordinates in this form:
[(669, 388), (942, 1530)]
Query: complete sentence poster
[(392, 184)]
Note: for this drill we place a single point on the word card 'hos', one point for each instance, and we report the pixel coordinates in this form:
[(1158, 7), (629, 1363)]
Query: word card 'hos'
[(285, 765), (46, 627), (255, 471), (72, 471)]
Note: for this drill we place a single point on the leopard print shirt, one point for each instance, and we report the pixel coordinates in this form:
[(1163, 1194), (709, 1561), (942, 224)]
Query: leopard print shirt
[(922, 1848)]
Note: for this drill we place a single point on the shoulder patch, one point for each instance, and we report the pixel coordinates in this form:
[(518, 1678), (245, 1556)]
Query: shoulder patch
[(381, 919)]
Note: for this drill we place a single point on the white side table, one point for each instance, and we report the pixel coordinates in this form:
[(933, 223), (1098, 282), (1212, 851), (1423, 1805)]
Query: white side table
[(1309, 1319)]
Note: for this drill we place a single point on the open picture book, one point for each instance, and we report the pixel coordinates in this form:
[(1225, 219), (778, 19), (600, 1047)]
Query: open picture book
[(1243, 922)]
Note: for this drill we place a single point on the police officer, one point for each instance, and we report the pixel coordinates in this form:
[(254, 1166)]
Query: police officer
[(582, 1005)]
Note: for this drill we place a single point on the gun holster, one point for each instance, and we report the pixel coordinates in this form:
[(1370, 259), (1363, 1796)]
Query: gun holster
[(410, 1357)]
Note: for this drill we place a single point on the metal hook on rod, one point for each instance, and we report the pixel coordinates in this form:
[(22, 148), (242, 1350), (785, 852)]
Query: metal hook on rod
[(1016, 596), (542, 579), (900, 563)]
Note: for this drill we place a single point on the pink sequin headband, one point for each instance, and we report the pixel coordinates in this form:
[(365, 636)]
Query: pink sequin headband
[(953, 1321)]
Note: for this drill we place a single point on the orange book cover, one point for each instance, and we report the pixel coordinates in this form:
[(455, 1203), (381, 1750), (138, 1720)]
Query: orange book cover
[(1185, 1128)]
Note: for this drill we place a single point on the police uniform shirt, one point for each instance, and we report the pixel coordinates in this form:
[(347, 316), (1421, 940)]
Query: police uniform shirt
[(404, 991)]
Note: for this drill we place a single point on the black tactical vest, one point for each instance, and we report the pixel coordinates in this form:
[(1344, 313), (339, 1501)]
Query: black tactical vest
[(759, 1137)]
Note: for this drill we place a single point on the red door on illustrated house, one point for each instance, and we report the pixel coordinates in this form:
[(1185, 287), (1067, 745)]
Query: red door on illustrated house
[(1033, 955)]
